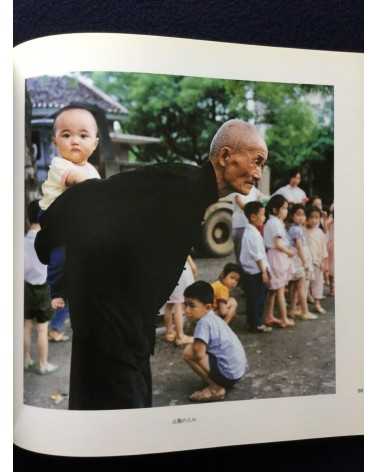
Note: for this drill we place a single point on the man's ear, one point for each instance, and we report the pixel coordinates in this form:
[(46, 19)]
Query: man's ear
[(97, 141), (224, 156)]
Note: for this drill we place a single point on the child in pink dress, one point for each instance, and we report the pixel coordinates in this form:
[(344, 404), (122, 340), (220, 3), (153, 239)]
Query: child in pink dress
[(317, 242), (279, 256), (331, 254), (302, 262)]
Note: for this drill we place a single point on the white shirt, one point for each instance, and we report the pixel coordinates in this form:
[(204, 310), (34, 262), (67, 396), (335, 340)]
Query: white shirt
[(55, 184), (252, 250), (239, 219), (292, 194), (35, 273), (274, 228)]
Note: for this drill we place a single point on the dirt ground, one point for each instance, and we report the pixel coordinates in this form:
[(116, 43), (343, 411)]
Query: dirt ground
[(290, 362)]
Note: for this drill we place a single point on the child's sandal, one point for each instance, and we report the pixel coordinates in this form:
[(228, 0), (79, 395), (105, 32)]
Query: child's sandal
[(170, 337), (184, 340), (320, 310)]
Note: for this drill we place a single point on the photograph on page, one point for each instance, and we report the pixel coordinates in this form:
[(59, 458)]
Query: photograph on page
[(179, 241)]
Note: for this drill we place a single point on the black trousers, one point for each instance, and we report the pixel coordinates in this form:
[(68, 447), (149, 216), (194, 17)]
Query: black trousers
[(255, 292), (99, 382)]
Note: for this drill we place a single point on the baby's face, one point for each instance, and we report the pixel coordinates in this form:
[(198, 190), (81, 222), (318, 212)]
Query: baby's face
[(76, 135)]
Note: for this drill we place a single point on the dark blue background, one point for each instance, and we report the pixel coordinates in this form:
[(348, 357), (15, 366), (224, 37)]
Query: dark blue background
[(311, 24)]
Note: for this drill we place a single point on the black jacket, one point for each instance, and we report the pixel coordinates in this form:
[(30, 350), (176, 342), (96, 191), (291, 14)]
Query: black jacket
[(126, 240)]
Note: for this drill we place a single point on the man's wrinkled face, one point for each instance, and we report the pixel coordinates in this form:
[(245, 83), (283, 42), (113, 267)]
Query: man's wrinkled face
[(243, 167)]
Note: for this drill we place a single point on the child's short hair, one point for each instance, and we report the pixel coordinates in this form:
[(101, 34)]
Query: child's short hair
[(201, 291), (294, 172), (275, 203), (92, 109), (230, 267), (34, 212), (312, 199), (310, 209), (295, 208), (252, 208)]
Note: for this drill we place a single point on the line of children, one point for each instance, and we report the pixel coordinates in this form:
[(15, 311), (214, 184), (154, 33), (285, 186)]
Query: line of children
[(269, 263), (293, 255)]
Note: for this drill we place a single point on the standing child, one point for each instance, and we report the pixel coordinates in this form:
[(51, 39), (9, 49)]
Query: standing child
[(239, 221), (37, 300), (279, 256), (331, 253), (302, 265), (216, 355), (317, 243), (75, 137), (224, 305), (255, 266), (174, 308)]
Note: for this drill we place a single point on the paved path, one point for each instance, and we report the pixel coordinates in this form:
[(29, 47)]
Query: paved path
[(290, 362)]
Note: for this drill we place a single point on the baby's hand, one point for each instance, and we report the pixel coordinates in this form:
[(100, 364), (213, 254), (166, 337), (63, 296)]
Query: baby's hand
[(57, 303), (290, 253)]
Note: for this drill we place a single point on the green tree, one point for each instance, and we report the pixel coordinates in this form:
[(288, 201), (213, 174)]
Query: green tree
[(297, 128), (185, 112)]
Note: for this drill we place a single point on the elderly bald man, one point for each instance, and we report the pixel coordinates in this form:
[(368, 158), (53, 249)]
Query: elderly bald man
[(126, 240)]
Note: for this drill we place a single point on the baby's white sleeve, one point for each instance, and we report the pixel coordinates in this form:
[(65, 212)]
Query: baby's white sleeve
[(59, 171)]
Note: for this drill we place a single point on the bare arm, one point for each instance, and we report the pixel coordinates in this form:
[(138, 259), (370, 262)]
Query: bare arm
[(193, 266), (199, 350), (280, 245), (299, 246), (222, 307), (262, 266)]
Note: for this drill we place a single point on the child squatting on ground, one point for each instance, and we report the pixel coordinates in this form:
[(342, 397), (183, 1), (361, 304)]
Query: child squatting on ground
[(37, 301), (76, 138), (224, 305), (216, 355), (255, 265)]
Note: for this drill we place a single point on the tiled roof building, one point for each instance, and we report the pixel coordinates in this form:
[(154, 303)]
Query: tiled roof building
[(50, 93)]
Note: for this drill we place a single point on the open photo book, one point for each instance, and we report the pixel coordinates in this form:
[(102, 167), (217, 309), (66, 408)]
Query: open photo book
[(182, 280)]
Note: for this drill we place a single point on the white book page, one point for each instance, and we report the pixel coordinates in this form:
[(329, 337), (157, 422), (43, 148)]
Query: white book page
[(122, 432)]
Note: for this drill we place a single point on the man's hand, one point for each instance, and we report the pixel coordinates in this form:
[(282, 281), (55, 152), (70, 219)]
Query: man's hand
[(57, 303)]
